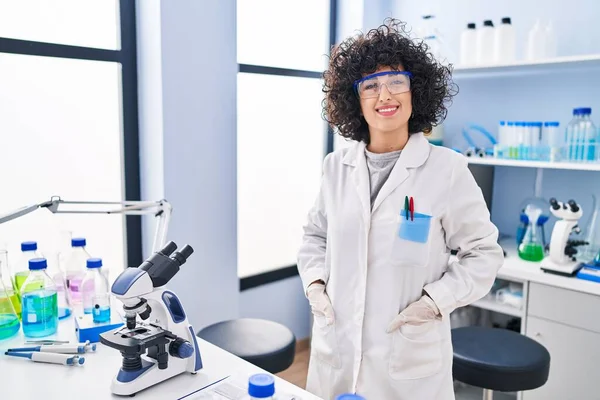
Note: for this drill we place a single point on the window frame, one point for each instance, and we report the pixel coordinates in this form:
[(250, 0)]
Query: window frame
[(127, 57), (288, 271)]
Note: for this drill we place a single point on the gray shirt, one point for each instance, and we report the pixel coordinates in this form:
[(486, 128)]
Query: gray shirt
[(380, 165)]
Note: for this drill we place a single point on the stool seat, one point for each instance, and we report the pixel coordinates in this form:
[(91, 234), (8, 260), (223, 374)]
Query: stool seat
[(498, 359), (266, 344)]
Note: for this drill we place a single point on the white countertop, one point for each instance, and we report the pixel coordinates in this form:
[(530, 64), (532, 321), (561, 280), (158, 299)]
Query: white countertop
[(22, 379), (516, 269)]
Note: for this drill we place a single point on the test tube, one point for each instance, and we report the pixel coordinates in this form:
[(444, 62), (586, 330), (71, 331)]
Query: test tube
[(501, 142)]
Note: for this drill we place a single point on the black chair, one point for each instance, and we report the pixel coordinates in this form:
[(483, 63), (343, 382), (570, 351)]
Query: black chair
[(266, 344), (498, 359)]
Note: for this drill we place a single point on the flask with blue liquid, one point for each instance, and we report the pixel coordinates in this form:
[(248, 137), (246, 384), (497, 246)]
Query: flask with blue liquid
[(96, 295), (39, 301)]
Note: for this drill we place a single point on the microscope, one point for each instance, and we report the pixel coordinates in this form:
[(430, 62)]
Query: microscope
[(561, 259), (160, 343)]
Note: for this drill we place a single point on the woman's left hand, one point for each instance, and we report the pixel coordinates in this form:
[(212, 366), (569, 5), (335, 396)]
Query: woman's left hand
[(419, 312)]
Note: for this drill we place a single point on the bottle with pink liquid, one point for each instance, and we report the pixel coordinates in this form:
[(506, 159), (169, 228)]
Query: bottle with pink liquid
[(75, 268)]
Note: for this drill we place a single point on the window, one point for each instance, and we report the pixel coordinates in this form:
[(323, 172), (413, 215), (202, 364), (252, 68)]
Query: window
[(69, 124), (282, 137)]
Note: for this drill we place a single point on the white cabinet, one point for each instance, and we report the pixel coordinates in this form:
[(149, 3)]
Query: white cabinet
[(574, 355), (566, 323)]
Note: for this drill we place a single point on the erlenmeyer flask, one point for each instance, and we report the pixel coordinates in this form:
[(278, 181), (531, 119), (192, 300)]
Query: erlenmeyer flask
[(531, 248), (9, 321), (9, 283)]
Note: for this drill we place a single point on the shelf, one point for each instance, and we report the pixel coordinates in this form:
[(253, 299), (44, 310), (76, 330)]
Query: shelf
[(526, 67), (534, 164), (488, 304)]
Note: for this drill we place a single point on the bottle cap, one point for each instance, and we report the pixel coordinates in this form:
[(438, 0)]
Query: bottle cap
[(506, 20), (29, 246), (78, 242), (94, 262), (261, 386), (586, 110), (471, 25), (37, 264), (551, 123), (488, 22), (510, 123), (349, 397), (502, 123)]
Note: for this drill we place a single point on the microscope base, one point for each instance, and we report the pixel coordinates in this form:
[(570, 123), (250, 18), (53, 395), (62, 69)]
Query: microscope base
[(150, 375), (568, 269)]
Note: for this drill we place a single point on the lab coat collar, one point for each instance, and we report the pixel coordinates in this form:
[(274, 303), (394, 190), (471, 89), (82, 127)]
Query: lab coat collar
[(414, 154)]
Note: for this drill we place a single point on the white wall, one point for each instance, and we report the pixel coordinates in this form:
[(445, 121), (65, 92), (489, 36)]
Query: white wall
[(196, 85)]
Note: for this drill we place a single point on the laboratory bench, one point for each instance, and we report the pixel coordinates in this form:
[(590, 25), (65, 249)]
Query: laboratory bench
[(561, 313), (23, 379)]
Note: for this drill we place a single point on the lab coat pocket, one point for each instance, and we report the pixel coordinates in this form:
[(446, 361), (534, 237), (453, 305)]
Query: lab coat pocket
[(410, 247), (416, 351), (324, 342)]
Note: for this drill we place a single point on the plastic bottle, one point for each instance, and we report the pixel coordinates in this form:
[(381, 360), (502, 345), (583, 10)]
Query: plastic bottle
[(75, 269), (501, 142), (505, 42), (552, 142), (468, 45), (536, 42), (96, 294), (28, 252), (549, 41), (39, 301), (261, 386), (588, 134), (348, 396), (485, 43)]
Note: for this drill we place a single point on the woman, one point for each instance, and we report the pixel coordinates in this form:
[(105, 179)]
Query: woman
[(375, 253)]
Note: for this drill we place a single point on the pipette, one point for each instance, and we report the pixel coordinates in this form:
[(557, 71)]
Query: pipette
[(52, 358), (77, 348)]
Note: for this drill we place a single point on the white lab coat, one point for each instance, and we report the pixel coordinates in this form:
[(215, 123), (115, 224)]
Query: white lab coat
[(372, 274)]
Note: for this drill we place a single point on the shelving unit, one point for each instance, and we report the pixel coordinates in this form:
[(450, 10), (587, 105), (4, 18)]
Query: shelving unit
[(534, 164), (489, 304), (562, 64)]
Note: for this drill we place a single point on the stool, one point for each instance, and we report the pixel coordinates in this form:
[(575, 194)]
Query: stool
[(266, 344), (498, 359)]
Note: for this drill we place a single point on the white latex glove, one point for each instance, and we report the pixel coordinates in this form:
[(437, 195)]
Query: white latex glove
[(417, 313), (319, 302)]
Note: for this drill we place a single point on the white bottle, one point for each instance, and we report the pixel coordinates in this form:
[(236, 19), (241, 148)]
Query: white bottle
[(468, 45), (536, 42), (505, 43), (485, 43), (550, 41), (75, 269)]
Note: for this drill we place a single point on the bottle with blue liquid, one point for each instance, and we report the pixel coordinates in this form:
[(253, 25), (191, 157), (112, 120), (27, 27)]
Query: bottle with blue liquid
[(581, 137), (39, 301), (96, 294)]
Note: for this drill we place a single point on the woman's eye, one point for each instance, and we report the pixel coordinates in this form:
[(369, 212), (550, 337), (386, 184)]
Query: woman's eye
[(371, 86)]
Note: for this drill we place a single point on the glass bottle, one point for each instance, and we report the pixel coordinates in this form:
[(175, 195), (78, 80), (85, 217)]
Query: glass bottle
[(9, 320), (39, 301)]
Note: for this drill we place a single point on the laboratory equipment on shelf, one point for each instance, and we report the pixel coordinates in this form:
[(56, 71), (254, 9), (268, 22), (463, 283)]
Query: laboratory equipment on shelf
[(75, 269), (531, 247), (485, 43), (581, 137), (162, 343), (28, 252), (552, 142), (8, 279), (475, 148), (505, 43), (39, 301), (540, 204), (468, 45), (541, 41), (96, 295), (591, 233), (529, 140), (9, 320), (562, 258)]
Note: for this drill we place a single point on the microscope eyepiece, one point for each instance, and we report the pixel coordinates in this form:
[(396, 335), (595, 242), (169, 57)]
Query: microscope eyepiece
[(573, 205), (169, 248), (182, 256), (554, 204)]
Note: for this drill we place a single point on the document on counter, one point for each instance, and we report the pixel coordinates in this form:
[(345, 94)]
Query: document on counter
[(234, 387)]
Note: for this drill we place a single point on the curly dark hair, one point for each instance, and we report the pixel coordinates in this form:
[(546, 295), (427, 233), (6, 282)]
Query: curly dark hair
[(389, 45)]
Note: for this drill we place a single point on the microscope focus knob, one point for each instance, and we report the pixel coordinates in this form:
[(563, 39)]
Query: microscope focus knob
[(181, 348)]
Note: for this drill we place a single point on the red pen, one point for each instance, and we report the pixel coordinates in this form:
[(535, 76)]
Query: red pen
[(412, 209)]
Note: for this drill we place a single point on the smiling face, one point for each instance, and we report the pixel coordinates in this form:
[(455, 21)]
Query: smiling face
[(387, 114)]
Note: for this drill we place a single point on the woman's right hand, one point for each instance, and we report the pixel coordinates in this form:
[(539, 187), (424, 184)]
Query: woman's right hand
[(320, 304)]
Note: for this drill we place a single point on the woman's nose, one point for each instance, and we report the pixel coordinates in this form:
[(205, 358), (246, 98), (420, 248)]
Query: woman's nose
[(384, 93)]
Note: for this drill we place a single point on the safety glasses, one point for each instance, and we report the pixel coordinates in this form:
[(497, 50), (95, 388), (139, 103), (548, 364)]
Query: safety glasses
[(396, 82)]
